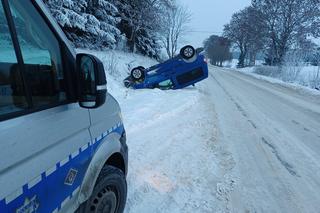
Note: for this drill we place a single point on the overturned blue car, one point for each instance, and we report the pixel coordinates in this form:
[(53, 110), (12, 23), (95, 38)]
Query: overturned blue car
[(186, 69)]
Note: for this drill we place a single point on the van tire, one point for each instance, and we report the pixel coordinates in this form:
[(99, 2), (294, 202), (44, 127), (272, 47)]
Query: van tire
[(109, 193)]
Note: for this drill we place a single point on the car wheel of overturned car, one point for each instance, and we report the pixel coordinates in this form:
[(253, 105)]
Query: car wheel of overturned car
[(109, 194), (187, 52), (138, 73)]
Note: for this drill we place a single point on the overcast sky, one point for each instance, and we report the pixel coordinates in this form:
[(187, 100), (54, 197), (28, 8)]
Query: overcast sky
[(209, 17)]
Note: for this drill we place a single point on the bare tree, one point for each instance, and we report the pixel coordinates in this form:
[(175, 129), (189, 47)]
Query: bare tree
[(287, 23), (246, 31), (175, 21)]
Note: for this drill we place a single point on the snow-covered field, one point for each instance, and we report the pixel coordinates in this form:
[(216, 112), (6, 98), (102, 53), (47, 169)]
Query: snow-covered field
[(234, 62), (300, 77), (305, 76), (233, 143)]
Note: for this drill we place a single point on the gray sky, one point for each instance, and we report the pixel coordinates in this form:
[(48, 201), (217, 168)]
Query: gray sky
[(209, 17)]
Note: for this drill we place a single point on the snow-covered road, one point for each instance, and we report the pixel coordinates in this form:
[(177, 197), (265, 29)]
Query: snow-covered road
[(273, 134)]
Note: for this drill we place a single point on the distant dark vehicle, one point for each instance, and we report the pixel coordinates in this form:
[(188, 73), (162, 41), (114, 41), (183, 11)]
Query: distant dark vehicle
[(186, 69)]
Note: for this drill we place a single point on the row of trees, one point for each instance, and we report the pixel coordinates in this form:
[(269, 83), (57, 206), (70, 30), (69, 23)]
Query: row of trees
[(274, 27), (143, 26), (217, 49)]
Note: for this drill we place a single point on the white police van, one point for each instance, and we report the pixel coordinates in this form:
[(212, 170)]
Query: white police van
[(62, 141)]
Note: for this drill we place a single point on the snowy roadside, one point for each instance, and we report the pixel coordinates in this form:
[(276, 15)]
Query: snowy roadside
[(299, 88), (175, 161)]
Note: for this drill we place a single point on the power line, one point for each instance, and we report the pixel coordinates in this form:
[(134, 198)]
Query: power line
[(204, 31)]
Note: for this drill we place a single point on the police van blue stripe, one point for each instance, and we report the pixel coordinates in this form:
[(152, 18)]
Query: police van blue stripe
[(48, 189)]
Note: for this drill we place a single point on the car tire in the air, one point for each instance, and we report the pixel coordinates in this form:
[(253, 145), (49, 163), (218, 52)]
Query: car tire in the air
[(138, 73), (187, 52)]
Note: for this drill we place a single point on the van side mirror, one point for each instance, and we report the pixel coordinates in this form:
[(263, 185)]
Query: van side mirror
[(91, 80)]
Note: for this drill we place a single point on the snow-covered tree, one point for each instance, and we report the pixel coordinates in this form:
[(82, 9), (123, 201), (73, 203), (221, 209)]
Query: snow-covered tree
[(140, 21), (88, 23), (111, 23)]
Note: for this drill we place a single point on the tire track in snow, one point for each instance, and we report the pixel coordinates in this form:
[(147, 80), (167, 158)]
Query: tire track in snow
[(274, 150), (239, 107), (286, 165), (304, 128)]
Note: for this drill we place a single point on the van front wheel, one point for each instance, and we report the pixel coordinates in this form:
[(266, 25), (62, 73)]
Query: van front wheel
[(109, 194)]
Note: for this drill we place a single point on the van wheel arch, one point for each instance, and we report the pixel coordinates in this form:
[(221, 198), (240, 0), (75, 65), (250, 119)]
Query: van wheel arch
[(116, 160), (103, 157)]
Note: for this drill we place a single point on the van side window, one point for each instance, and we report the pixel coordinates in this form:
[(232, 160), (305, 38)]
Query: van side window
[(41, 55), (12, 94)]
